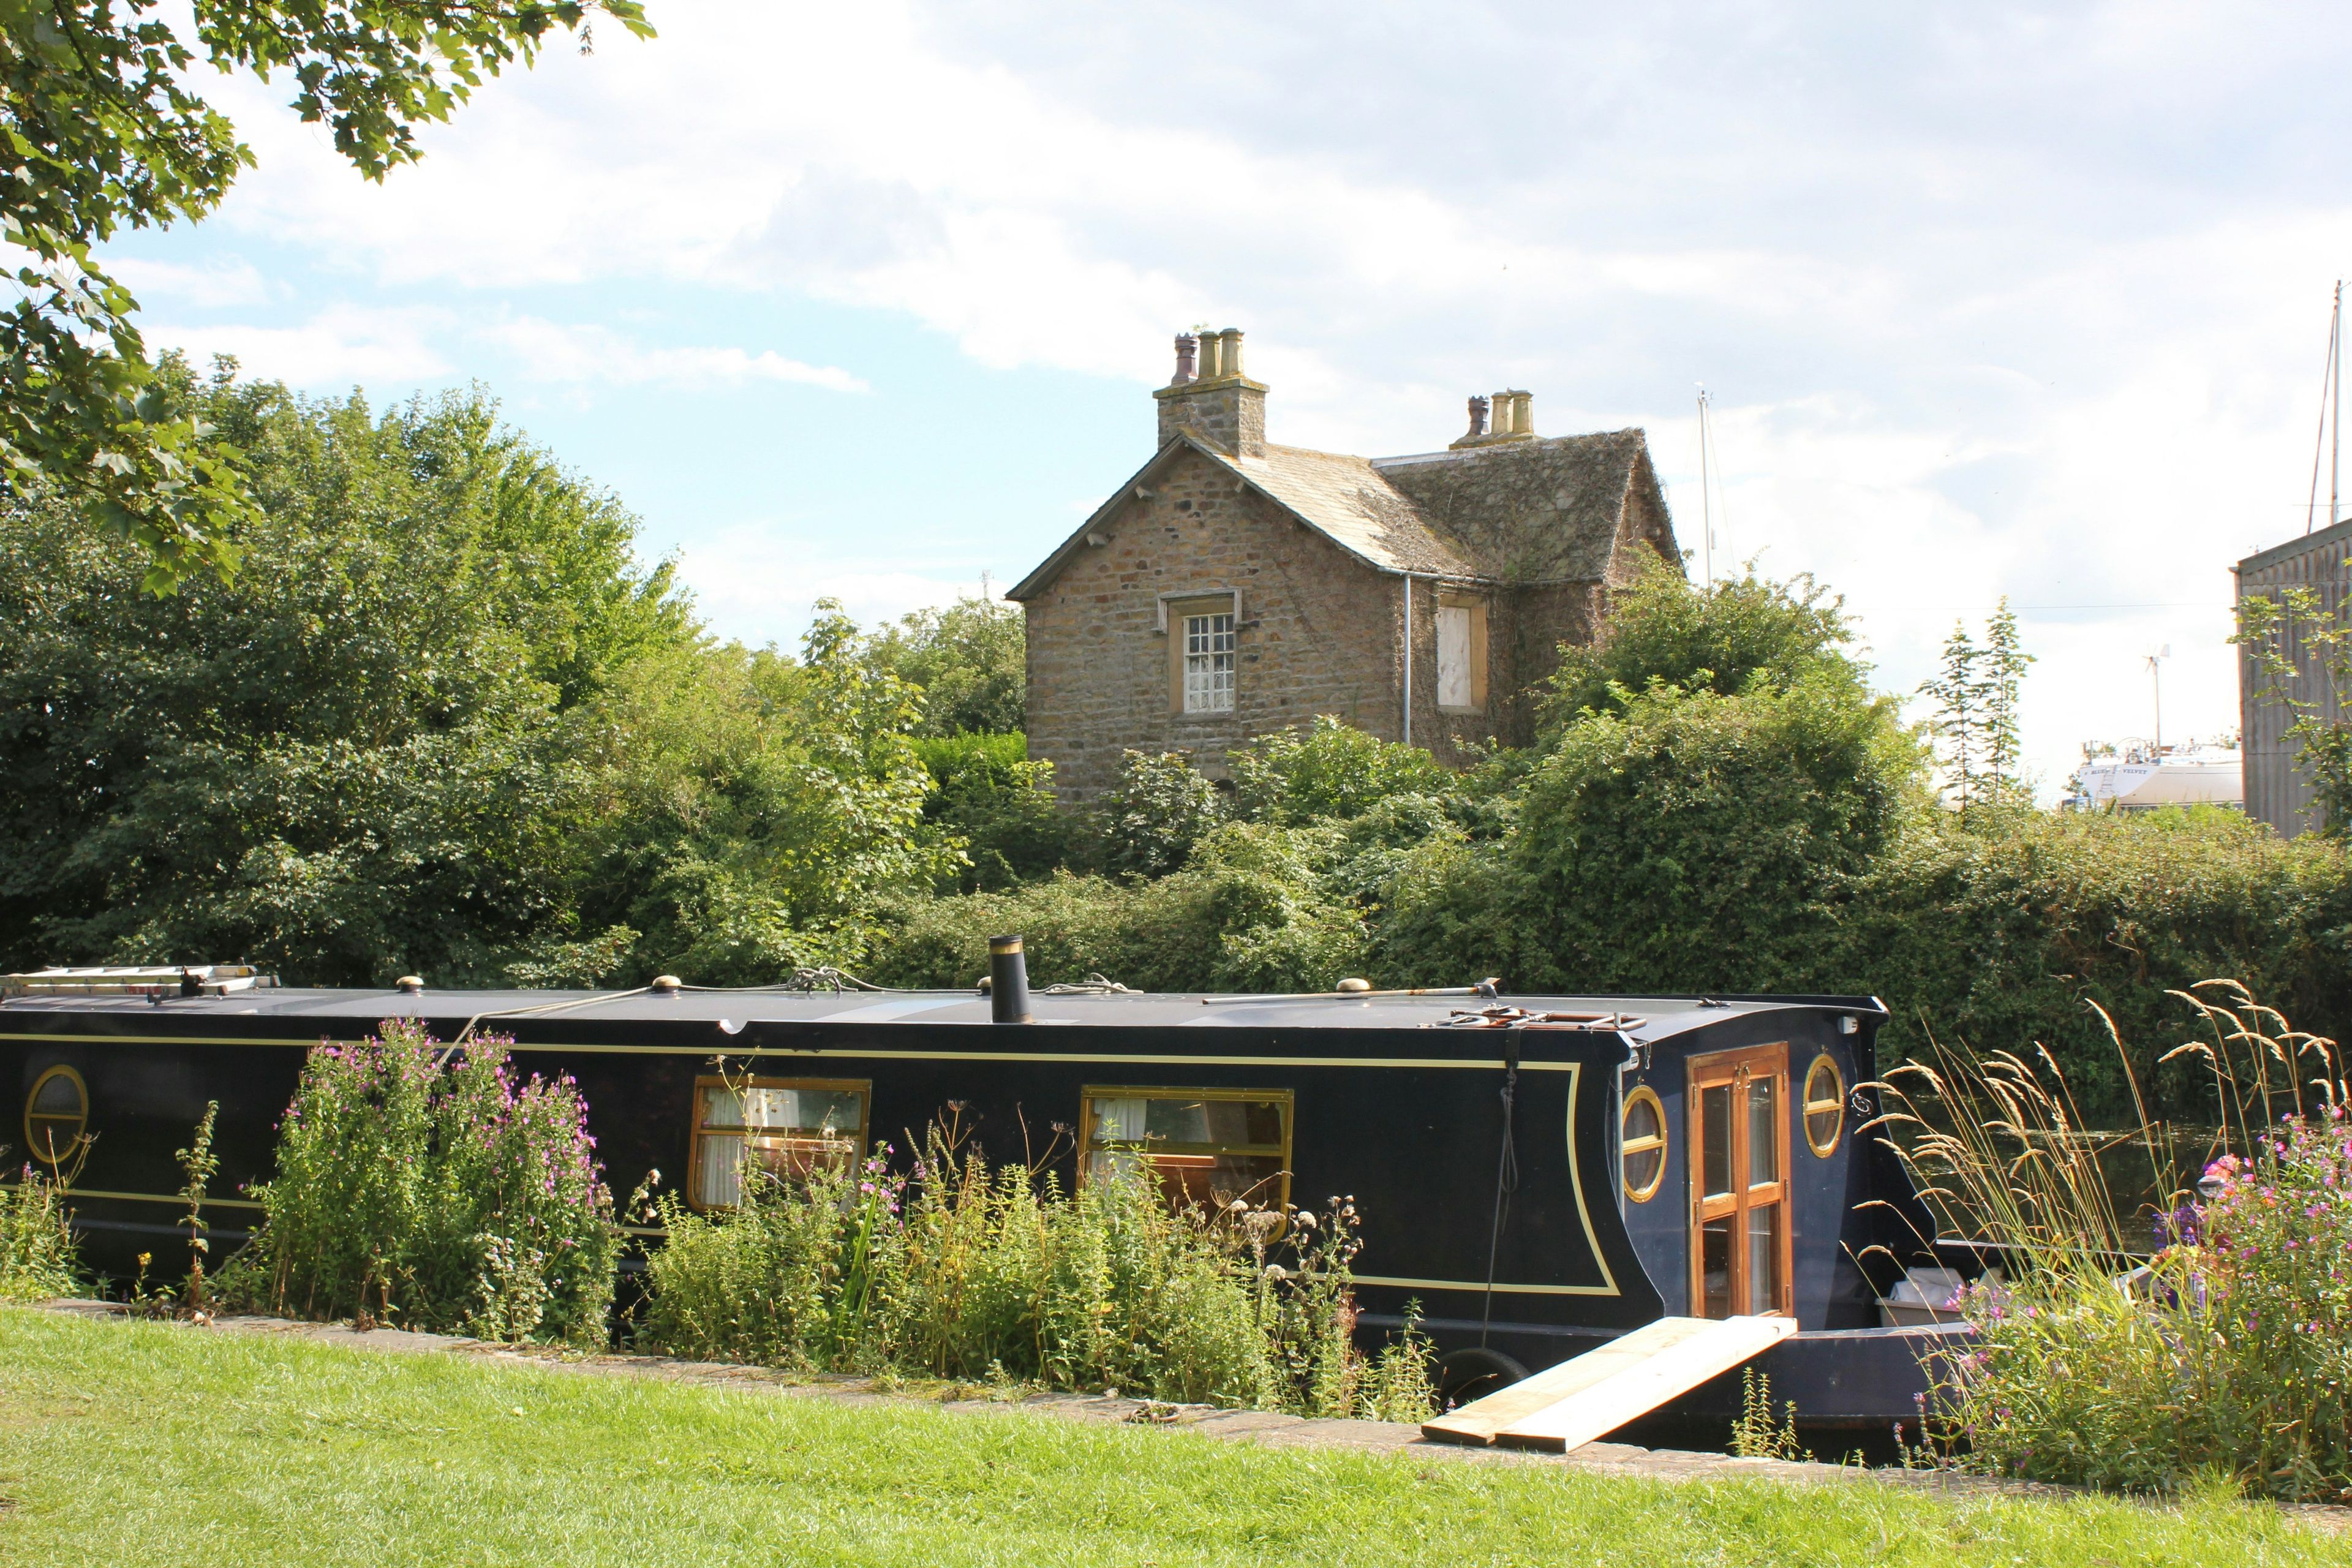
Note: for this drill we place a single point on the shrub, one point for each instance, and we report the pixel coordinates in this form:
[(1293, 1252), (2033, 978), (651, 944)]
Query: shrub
[(988, 795), (1146, 823), (1252, 910), (967, 1270), (38, 1257), (2004, 929), (1703, 841), (1329, 772), (436, 1197)]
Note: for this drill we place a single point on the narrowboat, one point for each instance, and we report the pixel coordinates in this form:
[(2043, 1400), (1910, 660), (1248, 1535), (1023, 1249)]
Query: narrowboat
[(1538, 1175)]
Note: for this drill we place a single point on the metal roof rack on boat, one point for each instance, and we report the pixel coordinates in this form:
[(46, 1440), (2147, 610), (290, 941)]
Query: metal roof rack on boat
[(152, 980), (1357, 991)]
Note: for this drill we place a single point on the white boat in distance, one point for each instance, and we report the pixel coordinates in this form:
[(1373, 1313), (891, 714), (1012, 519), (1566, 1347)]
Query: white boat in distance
[(2142, 777)]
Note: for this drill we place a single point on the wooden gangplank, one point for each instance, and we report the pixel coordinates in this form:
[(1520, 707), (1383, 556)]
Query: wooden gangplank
[(1566, 1407)]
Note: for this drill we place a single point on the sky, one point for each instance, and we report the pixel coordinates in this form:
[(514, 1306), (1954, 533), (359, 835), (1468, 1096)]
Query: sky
[(866, 301)]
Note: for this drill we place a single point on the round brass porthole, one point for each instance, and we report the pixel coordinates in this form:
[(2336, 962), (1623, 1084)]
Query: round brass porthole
[(1641, 1146), (56, 1115), (1824, 1106)]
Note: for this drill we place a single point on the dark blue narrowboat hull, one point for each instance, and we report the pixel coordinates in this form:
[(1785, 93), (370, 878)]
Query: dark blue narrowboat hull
[(1412, 1103)]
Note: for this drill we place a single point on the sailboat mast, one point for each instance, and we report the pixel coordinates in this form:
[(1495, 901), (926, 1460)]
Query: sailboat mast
[(1705, 511)]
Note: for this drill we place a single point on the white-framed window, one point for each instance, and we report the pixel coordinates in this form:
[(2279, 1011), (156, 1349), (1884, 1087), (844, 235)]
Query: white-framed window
[(1211, 654)]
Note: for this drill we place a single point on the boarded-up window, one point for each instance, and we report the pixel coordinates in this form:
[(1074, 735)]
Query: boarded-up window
[(1461, 652)]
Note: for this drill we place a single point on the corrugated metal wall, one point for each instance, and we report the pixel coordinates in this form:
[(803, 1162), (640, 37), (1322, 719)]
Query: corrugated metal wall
[(2276, 790)]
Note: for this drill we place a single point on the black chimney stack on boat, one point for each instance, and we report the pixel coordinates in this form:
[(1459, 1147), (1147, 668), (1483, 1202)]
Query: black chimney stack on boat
[(1008, 981)]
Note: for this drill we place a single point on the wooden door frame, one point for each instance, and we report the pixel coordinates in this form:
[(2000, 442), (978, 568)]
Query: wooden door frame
[(1737, 1066)]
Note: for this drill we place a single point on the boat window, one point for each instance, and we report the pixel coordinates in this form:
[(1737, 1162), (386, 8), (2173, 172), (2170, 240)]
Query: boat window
[(1716, 1128), (1206, 1146), (1643, 1146), (790, 1126), (57, 1116), (1715, 1269), (1825, 1105), (1763, 1260), (1763, 1144)]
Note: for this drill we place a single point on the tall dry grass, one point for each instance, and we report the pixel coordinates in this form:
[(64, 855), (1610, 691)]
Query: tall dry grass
[(2204, 1331)]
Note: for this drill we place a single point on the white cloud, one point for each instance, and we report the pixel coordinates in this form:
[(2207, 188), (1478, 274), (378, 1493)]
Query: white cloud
[(759, 583), (341, 347), (220, 284), (2001, 301), (550, 352)]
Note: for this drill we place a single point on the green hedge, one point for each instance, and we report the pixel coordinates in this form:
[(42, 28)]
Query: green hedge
[(2002, 932), (2004, 935), (1249, 913)]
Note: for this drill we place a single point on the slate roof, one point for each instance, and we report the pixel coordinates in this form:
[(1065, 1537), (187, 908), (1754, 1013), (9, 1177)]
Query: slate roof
[(1528, 512), (1347, 499)]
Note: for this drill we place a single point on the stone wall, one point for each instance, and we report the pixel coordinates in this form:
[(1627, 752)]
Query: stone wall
[(1318, 631)]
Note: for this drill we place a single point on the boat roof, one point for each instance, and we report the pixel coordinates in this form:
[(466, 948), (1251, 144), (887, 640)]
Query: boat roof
[(729, 1010)]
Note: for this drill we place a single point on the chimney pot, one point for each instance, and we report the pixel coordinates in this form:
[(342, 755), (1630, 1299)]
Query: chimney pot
[(1477, 418), (1212, 403), (1523, 413)]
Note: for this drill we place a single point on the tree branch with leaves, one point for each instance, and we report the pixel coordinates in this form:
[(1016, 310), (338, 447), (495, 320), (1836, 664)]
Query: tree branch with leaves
[(99, 132)]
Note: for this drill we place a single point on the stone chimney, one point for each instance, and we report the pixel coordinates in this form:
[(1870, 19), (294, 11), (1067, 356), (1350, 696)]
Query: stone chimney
[(1514, 420), (1218, 404)]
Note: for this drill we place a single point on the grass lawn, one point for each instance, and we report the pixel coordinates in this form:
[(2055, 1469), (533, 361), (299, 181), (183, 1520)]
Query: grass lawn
[(151, 1444)]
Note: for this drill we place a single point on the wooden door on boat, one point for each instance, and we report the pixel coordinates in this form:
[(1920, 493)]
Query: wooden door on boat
[(1741, 1243)]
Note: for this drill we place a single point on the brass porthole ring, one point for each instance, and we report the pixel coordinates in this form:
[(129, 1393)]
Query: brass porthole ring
[(1824, 1106), (1642, 1143), (57, 1116)]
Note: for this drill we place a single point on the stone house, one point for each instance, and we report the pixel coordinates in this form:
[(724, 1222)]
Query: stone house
[(1232, 588)]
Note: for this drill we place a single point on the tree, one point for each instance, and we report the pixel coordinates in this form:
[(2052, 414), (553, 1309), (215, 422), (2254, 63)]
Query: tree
[(1697, 841), (752, 812), (969, 659), (2005, 661), (355, 759), (1717, 638), (1956, 724), (103, 131), (1974, 721)]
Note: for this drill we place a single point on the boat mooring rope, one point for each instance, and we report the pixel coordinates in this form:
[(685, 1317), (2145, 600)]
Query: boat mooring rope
[(1506, 1173)]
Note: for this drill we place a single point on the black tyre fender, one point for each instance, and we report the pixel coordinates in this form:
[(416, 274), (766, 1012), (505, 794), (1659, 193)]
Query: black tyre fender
[(1473, 1373)]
